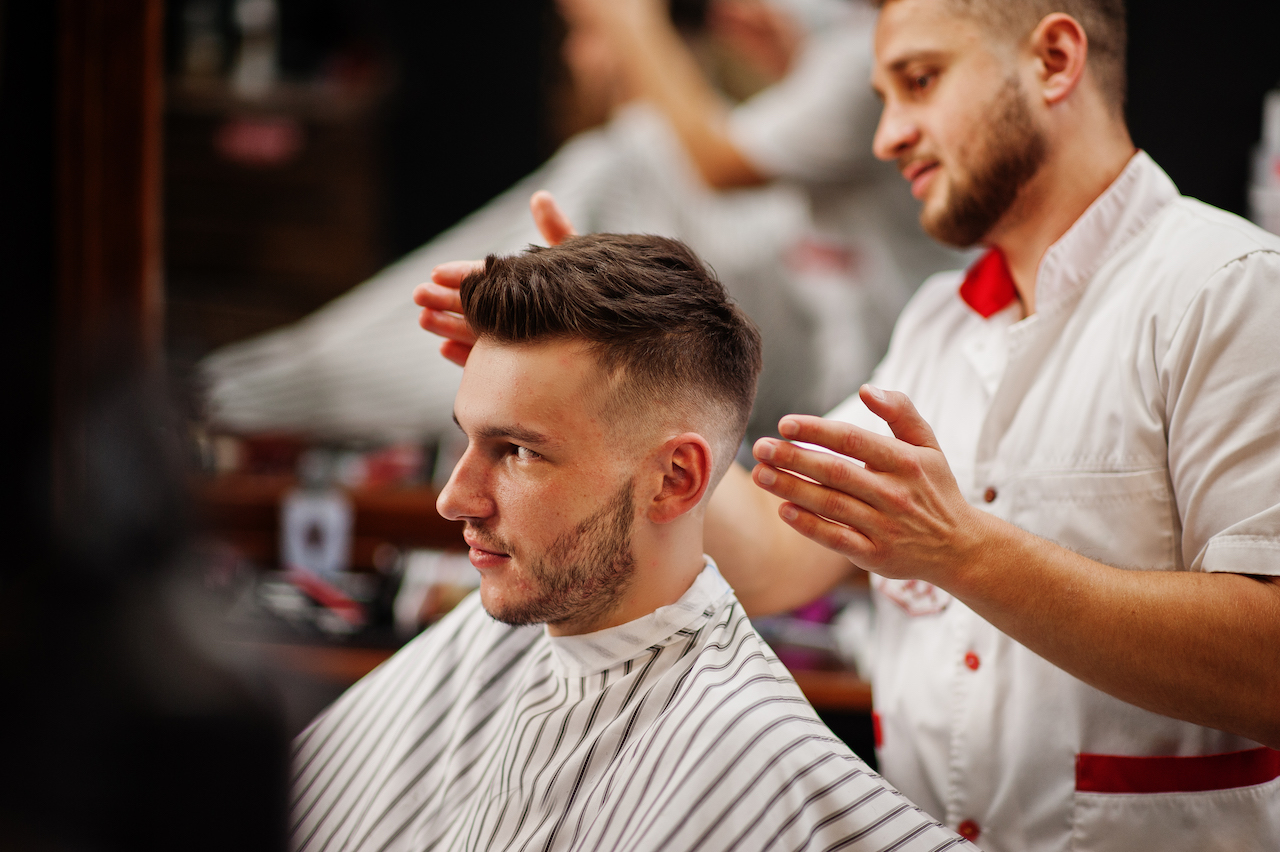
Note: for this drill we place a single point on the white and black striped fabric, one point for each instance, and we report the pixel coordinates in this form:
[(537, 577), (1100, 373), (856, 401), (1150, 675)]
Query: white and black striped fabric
[(678, 731)]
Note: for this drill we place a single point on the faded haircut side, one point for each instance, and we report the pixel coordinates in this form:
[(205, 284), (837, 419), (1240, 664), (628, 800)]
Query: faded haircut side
[(661, 325)]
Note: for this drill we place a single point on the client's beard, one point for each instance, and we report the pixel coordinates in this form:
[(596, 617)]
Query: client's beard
[(583, 574)]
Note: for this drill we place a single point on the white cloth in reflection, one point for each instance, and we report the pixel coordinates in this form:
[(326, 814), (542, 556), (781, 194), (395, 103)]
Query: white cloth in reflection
[(361, 366)]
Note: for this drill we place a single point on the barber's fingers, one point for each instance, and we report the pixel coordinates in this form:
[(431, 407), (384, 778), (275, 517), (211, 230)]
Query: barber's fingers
[(442, 303), (446, 324), (458, 337), (456, 352), (437, 297), (552, 223), (897, 410), (837, 519), (849, 542), (877, 451), (834, 477), (442, 315), (450, 274)]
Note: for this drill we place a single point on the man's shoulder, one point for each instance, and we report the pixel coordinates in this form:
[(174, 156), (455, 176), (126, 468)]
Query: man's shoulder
[(1202, 227), (1188, 253), (750, 765), (736, 685), (1194, 240), (465, 639), (1155, 221)]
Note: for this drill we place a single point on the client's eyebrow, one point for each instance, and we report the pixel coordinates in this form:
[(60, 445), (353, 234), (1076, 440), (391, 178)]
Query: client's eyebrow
[(925, 55), (517, 434)]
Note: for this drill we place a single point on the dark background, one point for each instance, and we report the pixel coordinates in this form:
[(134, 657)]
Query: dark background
[(1197, 74), (465, 117)]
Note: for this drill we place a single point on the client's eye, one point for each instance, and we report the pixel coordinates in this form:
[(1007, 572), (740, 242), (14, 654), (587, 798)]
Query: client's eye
[(524, 453)]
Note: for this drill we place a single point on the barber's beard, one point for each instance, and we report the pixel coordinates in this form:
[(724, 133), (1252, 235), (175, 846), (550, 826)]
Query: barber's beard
[(1008, 154), (584, 573)]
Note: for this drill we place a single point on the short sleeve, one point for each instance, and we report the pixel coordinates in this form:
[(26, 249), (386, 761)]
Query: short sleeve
[(1221, 377)]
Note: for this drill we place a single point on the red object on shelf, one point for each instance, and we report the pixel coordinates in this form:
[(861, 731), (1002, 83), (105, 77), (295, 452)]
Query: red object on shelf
[(327, 595), (262, 141)]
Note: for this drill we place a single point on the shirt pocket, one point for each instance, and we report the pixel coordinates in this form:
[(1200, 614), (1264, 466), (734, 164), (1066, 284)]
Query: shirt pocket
[(1233, 803), (1124, 518)]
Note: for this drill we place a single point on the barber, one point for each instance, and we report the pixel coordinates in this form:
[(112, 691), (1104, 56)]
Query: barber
[(1068, 490)]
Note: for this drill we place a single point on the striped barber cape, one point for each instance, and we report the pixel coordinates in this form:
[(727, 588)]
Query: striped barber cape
[(677, 731)]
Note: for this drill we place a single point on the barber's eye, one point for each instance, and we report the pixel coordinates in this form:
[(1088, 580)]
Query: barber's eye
[(920, 82), (524, 453)]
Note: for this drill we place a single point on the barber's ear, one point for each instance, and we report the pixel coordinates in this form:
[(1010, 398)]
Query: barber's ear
[(1061, 49), (686, 474)]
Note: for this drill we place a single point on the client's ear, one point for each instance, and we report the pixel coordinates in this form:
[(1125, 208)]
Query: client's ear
[(686, 473)]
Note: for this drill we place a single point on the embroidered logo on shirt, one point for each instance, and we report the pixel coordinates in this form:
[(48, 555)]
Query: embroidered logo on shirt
[(916, 597)]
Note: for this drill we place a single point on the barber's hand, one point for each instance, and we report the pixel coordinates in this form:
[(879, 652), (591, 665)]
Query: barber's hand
[(901, 516), (760, 31), (611, 15), (439, 298)]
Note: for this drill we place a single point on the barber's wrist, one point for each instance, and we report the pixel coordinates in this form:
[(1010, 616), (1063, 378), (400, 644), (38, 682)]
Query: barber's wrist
[(982, 547)]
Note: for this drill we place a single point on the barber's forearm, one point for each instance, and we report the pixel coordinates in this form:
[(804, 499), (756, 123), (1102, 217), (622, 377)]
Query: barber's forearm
[(1201, 647), (770, 566), (659, 68)]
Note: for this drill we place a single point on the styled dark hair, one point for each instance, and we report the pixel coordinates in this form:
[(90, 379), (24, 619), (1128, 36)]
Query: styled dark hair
[(1103, 22), (660, 324)]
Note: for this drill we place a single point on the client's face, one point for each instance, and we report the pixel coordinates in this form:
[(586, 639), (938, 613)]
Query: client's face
[(543, 488)]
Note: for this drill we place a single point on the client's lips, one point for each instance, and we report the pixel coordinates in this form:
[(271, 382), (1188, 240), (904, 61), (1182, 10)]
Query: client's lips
[(482, 557)]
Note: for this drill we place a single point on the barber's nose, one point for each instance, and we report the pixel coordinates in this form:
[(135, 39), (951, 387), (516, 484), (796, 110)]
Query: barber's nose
[(465, 496), (895, 134)]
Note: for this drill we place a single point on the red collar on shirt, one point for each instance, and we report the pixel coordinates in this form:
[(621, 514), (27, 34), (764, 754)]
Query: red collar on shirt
[(988, 285)]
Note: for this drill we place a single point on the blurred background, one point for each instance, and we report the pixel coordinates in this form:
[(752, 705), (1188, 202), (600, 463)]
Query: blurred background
[(224, 509), (310, 142)]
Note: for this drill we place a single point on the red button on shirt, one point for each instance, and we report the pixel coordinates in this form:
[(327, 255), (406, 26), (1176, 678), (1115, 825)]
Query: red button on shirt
[(989, 495), (969, 830), (971, 660)]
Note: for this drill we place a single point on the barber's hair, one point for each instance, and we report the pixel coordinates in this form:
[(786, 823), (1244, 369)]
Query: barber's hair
[(1103, 22), (660, 324)]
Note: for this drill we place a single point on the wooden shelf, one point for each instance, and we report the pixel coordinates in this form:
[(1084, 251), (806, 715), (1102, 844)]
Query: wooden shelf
[(262, 232), (834, 690), (244, 510)]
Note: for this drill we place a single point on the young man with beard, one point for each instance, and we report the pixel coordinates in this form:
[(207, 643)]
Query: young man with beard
[(603, 690), (1068, 492)]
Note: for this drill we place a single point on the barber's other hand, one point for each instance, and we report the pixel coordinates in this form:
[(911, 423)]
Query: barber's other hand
[(761, 32), (439, 298), (612, 16), (901, 516)]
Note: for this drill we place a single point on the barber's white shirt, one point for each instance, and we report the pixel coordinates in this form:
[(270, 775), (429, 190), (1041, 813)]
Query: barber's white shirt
[(1134, 418)]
